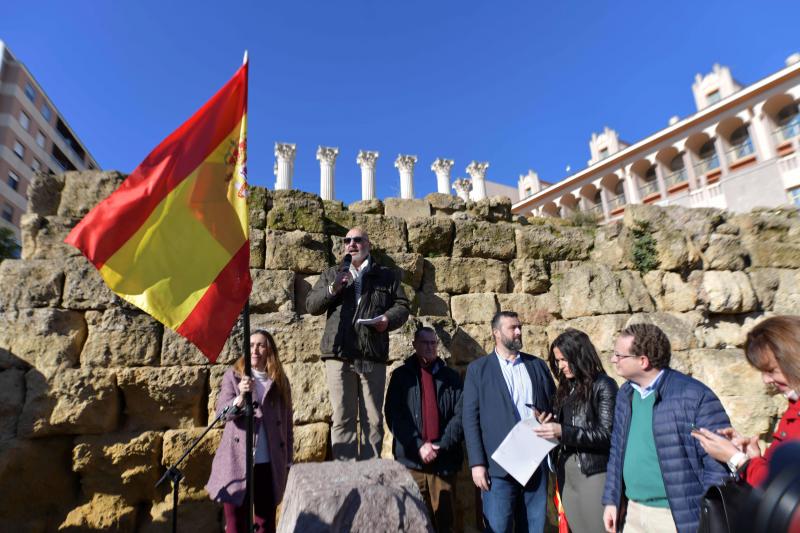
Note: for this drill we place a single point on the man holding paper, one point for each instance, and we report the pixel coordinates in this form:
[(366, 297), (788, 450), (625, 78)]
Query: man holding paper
[(500, 390), (364, 301)]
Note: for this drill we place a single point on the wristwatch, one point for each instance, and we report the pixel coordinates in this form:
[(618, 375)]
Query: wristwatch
[(736, 462)]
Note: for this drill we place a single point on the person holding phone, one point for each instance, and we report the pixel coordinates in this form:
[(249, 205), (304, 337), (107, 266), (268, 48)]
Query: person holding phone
[(584, 416)]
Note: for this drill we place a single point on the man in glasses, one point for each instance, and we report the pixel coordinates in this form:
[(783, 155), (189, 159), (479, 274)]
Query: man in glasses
[(656, 468), (364, 302)]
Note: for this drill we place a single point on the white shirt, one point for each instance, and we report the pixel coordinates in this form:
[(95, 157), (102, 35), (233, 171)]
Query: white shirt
[(519, 385), (644, 392), (261, 450)]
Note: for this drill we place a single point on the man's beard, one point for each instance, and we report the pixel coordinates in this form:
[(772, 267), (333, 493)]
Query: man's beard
[(512, 344)]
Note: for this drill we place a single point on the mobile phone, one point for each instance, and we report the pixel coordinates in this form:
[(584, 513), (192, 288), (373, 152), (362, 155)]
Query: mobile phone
[(692, 427)]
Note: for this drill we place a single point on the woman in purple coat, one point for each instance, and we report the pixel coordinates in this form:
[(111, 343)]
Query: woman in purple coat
[(273, 437)]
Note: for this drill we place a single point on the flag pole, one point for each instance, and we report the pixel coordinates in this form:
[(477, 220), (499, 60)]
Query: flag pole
[(248, 398)]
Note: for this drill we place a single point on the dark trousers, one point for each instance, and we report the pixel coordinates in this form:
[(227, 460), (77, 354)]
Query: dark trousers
[(264, 505), (508, 506), (439, 494)]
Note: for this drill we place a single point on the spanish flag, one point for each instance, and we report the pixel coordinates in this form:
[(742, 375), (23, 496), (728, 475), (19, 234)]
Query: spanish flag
[(173, 239)]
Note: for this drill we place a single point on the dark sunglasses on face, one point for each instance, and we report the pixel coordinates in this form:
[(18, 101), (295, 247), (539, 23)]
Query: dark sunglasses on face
[(357, 240)]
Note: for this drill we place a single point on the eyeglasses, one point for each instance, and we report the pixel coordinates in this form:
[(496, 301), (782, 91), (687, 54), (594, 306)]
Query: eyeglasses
[(622, 355), (357, 240)]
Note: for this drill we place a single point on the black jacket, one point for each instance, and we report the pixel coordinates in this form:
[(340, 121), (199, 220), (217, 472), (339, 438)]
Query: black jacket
[(403, 410), (586, 428), (381, 294)]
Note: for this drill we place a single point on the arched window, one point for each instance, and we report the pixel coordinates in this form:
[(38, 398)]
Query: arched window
[(788, 122), (708, 157), (741, 145)]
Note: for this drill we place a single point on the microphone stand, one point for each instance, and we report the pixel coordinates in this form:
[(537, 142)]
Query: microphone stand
[(175, 475)]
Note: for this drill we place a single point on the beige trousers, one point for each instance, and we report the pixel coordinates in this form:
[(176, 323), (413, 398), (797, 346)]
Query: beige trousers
[(643, 519), (356, 397)]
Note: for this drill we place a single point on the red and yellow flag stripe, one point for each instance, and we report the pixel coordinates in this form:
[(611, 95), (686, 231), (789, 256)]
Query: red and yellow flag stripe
[(173, 239)]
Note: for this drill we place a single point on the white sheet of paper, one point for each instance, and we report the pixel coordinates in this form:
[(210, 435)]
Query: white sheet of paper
[(369, 321), (522, 451)]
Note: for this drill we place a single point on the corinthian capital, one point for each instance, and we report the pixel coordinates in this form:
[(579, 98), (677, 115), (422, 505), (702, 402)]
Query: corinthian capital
[(367, 158), (327, 154), (477, 170), (462, 186), (442, 166), (405, 162), (285, 151)]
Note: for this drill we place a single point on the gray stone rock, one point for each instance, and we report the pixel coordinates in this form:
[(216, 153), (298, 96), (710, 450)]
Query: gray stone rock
[(257, 248), (386, 233), (461, 275), (259, 201), (84, 288), (69, 402), (310, 400), (728, 292), (177, 351), (483, 239), (118, 337), (725, 252), (765, 282), (44, 194), (367, 207), (362, 496), (680, 328), (302, 286), (538, 309), (431, 236), (43, 237), (84, 190), (670, 292), (553, 243), (529, 276), (273, 290), (12, 398), (444, 205), (590, 289), (492, 209), (296, 210), (787, 297), (630, 282), (409, 266), (602, 330), (473, 308), (407, 209), (44, 338), (163, 398), (297, 337), (436, 304), (306, 253), (25, 284)]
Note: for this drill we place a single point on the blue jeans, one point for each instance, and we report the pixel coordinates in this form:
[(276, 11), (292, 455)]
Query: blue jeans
[(508, 503)]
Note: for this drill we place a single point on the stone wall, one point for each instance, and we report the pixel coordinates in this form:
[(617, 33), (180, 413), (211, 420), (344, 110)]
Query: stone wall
[(96, 397)]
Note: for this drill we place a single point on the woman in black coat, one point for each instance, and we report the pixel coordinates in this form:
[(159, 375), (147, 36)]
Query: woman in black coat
[(584, 416)]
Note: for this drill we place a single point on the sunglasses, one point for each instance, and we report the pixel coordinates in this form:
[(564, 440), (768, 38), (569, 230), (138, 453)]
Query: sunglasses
[(357, 240)]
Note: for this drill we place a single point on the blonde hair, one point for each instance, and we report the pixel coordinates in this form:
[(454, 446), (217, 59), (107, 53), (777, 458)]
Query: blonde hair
[(274, 366)]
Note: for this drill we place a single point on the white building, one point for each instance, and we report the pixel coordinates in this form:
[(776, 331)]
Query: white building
[(740, 150)]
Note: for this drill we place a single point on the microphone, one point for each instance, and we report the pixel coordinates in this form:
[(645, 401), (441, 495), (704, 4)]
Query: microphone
[(347, 260)]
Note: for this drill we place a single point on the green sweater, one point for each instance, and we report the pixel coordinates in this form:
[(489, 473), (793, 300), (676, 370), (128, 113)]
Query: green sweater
[(644, 483)]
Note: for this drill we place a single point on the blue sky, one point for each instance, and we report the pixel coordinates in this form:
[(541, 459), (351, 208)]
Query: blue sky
[(519, 84)]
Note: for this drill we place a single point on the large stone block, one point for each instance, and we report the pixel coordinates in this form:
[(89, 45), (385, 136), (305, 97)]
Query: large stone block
[(602, 330), (297, 337), (306, 253), (197, 466), (309, 392), (461, 275), (407, 209), (670, 292), (609, 249), (197, 516), (679, 327), (484, 239), (491, 209), (44, 194), (436, 304), (473, 308), (533, 310), (273, 290), (103, 512), (634, 290), (28, 506), (311, 442), (553, 243), (302, 287), (754, 415), (400, 339), (43, 237), (590, 289), (119, 337), (259, 200), (44, 338), (296, 210), (767, 253), (787, 297), (725, 252), (69, 402), (765, 282), (12, 398), (386, 233), (84, 288), (469, 342), (257, 248), (409, 266), (529, 275), (25, 284), (119, 463), (360, 497), (727, 292), (431, 236), (84, 190), (367, 207), (163, 398), (177, 351), (727, 373), (722, 332)]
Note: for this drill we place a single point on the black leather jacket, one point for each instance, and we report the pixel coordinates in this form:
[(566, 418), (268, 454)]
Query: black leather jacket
[(586, 429)]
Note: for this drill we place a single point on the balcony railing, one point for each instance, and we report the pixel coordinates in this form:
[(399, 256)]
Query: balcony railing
[(788, 131), (617, 201), (707, 165), (648, 188), (741, 150), (596, 209), (679, 176)]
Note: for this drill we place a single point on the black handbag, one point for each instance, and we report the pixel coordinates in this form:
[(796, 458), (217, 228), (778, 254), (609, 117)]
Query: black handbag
[(721, 505)]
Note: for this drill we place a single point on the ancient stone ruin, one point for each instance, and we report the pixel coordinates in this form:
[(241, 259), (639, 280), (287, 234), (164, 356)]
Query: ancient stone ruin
[(96, 397)]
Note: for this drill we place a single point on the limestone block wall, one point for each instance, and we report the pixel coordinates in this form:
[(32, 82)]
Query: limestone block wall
[(96, 397)]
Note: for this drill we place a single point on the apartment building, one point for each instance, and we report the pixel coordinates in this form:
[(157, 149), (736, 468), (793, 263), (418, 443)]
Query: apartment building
[(740, 150), (34, 137)]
